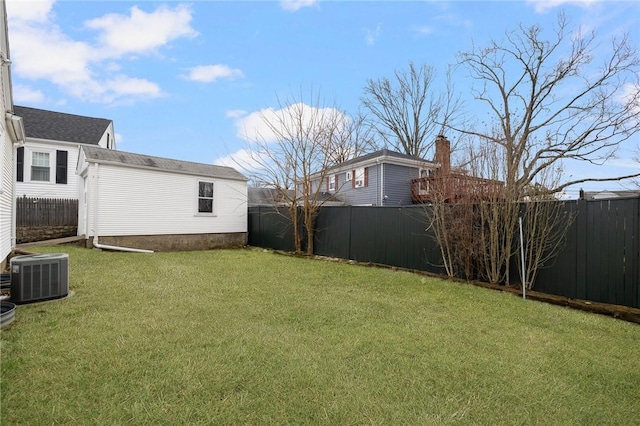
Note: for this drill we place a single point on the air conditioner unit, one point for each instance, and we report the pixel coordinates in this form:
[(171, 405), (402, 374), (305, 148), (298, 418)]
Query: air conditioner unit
[(39, 277)]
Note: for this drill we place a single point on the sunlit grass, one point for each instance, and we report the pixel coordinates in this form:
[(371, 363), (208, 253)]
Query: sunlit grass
[(251, 337)]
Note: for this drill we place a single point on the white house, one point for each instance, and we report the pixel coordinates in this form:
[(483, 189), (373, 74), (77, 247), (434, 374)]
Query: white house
[(11, 134), (137, 201), (45, 166)]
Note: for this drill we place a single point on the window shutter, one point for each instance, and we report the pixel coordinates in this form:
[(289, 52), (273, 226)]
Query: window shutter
[(366, 176), (61, 167), (353, 178), (336, 183), (20, 164)]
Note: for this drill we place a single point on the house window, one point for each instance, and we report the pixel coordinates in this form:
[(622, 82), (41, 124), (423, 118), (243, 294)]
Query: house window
[(349, 176), (332, 183), (426, 173), (40, 167), (360, 177), (205, 197)]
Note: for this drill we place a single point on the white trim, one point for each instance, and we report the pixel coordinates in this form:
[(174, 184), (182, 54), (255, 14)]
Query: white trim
[(51, 153)]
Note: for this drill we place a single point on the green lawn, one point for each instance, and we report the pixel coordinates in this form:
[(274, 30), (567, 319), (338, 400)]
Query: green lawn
[(251, 337)]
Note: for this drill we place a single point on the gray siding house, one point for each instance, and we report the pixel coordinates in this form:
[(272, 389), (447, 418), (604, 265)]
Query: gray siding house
[(381, 178)]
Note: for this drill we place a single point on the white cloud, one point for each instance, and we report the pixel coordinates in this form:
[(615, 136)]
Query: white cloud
[(243, 159), (142, 32), (235, 113), (295, 5), (254, 126), (211, 73), (372, 35), (25, 95), (265, 125), (30, 10), (139, 87), (42, 51), (543, 6), (631, 97)]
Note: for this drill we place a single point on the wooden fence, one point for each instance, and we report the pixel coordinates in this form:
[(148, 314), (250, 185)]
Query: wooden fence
[(46, 212), (600, 261)]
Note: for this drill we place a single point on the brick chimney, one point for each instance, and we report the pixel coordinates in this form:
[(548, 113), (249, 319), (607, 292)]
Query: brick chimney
[(443, 155)]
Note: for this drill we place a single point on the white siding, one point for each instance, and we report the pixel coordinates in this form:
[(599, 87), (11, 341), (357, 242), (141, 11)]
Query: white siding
[(49, 189), (6, 149), (108, 138), (132, 201), (6, 199)]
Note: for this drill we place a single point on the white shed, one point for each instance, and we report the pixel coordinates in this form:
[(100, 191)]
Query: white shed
[(142, 202)]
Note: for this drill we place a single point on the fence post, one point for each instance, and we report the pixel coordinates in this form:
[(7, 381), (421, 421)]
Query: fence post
[(581, 249)]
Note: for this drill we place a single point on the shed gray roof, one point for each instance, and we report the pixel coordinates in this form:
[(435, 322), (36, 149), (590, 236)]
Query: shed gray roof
[(110, 156), (59, 126)]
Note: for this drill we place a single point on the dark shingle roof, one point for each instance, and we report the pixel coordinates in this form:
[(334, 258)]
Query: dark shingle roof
[(383, 153), (377, 154), (59, 126), (110, 156)]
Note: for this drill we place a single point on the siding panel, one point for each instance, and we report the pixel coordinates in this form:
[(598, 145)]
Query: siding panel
[(6, 201), (397, 184), (50, 189), (142, 202)]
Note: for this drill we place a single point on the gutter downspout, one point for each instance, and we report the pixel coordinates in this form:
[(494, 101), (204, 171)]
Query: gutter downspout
[(95, 243), (14, 202), (118, 248)]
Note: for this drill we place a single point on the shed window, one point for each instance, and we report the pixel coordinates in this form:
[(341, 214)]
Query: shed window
[(205, 197)]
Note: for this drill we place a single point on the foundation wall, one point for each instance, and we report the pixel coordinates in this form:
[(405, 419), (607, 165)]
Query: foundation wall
[(184, 242)]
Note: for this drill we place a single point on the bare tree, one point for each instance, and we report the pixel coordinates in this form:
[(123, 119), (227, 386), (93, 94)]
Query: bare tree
[(547, 103), (551, 104), (353, 138), (408, 113), (293, 154)]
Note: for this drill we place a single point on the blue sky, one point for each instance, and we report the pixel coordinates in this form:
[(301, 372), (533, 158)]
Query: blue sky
[(185, 80)]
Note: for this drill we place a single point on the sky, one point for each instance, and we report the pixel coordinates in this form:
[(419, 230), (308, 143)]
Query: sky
[(193, 80)]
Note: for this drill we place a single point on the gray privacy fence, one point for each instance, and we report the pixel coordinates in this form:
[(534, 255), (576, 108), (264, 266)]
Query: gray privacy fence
[(600, 260), (46, 212)]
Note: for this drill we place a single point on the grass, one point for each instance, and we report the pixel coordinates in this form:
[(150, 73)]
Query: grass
[(251, 337)]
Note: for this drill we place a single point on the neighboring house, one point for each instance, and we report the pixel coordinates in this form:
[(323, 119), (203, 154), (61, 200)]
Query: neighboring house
[(11, 133), (381, 178), (266, 197), (608, 195), (45, 166), (142, 202), (451, 185)]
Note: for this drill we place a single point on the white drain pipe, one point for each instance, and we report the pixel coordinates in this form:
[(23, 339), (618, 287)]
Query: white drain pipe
[(118, 248), (95, 222)]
